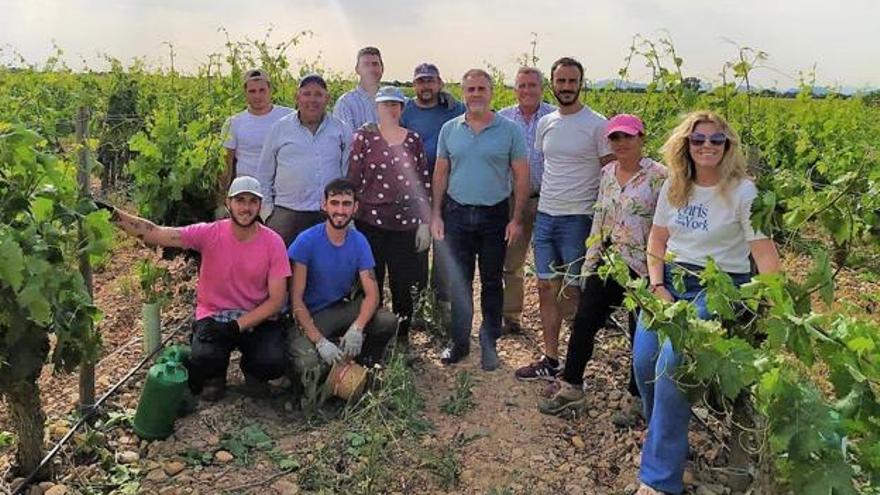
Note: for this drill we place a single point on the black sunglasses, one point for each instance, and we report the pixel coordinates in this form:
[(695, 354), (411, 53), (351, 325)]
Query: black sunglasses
[(615, 136), (699, 139)]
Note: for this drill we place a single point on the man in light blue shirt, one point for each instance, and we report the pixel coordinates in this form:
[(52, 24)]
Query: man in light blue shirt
[(479, 157), (303, 152), (526, 114), (358, 107)]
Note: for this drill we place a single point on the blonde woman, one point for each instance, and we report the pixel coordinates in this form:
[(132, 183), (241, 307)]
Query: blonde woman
[(704, 210)]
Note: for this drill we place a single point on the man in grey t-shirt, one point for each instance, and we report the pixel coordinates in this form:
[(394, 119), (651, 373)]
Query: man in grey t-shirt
[(575, 149)]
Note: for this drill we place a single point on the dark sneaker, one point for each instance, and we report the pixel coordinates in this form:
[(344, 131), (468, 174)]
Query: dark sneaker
[(488, 354), (568, 398), (452, 355), (255, 388), (541, 369), (213, 390)]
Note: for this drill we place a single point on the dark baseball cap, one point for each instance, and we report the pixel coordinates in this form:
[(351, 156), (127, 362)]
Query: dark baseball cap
[(313, 79), (426, 70)]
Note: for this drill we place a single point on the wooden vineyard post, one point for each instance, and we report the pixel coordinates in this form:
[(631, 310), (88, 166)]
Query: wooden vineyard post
[(87, 367)]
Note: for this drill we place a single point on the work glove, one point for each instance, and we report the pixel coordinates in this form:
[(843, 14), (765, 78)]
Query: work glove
[(329, 352), (103, 205), (423, 237), (353, 341), (214, 330)]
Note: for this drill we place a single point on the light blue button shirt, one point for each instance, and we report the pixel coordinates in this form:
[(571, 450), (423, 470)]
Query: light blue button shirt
[(480, 163), (356, 108), (295, 164), (536, 157)]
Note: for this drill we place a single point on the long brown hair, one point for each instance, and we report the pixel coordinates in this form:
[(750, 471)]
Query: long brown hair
[(682, 170)]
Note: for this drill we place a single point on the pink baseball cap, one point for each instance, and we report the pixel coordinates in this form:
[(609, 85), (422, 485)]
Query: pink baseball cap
[(625, 123)]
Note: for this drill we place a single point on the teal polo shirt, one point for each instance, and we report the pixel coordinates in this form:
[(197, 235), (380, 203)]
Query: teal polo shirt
[(480, 163)]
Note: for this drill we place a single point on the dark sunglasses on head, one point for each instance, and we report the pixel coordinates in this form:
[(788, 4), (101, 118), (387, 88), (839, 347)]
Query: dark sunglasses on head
[(615, 136), (699, 139)]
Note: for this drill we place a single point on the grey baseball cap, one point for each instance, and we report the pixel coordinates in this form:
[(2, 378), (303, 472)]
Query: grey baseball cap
[(426, 70), (244, 184), (390, 93), (313, 79)]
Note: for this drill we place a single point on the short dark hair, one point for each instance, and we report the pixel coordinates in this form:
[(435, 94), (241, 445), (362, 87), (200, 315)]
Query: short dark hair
[(369, 50), (339, 186), (567, 62)]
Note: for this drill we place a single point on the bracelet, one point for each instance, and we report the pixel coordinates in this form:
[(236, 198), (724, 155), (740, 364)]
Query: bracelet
[(655, 286)]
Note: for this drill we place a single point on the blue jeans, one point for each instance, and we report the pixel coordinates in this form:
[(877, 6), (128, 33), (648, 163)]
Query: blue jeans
[(560, 244), (664, 453), (475, 234)]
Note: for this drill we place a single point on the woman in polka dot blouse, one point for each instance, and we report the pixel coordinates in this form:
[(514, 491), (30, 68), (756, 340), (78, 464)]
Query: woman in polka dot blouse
[(388, 166)]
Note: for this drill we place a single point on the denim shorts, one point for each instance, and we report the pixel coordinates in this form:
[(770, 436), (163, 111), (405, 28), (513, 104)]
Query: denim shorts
[(560, 244)]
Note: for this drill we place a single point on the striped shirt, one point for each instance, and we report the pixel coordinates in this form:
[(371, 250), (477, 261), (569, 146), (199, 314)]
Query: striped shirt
[(356, 108), (536, 156)]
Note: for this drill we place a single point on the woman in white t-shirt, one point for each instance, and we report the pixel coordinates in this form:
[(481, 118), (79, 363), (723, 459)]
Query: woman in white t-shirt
[(704, 210)]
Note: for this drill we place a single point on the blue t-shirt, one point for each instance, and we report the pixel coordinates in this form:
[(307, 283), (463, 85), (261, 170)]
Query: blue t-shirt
[(331, 269), (427, 122), (479, 172)]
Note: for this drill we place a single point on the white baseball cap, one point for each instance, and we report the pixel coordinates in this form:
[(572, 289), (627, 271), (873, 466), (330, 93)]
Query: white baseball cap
[(245, 184)]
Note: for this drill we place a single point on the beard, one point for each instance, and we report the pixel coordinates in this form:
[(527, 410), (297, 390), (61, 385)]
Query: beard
[(243, 225), (339, 226), (426, 96), (567, 97)]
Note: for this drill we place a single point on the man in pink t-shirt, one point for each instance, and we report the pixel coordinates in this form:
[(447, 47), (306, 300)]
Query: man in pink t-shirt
[(242, 287)]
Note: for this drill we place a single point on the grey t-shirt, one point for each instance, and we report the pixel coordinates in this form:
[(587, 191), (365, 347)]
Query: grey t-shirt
[(572, 145)]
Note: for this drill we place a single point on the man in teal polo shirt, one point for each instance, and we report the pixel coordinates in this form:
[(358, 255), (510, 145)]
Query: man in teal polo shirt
[(478, 154)]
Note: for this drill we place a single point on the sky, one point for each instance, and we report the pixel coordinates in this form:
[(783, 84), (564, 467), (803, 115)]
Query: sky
[(839, 40)]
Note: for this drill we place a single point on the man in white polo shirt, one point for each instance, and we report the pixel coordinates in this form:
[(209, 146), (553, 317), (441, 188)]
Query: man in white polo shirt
[(575, 149), (244, 132)]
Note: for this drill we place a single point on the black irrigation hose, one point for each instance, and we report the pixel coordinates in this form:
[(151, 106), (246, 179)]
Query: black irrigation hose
[(93, 409)]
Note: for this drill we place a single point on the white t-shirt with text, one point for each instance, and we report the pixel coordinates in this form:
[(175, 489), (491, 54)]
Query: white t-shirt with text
[(710, 225), (245, 132), (572, 145)]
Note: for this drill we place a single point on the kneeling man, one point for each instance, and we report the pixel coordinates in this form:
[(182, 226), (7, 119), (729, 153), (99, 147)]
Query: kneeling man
[(327, 261), (242, 286)]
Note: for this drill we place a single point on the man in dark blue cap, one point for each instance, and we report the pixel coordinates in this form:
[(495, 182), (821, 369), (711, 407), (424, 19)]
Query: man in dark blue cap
[(303, 152), (426, 113)]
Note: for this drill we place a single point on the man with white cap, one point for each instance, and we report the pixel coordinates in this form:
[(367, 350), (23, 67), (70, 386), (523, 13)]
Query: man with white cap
[(302, 153), (244, 132), (241, 289)]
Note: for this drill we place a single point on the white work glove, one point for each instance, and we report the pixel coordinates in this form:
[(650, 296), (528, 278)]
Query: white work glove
[(266, 211), (329, 352), (423, 237), (352, 341)]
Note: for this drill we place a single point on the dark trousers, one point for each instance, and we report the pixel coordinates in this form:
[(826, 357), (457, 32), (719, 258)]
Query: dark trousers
[(440, 263), (262, 352), (395, 253), (598, 300), (475, 235), (289, 223), (333, 321)]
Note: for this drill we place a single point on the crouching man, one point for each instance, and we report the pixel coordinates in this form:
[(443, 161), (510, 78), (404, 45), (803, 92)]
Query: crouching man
[(241, 289), (327, 261)]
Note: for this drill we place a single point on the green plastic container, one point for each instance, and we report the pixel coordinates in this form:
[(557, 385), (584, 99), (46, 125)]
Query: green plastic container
[(152, 327), (161, 399)]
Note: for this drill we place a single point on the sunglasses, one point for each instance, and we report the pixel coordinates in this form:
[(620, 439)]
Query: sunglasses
[(699, 139)]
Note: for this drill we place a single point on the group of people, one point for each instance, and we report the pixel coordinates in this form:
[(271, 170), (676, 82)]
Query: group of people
[(323, 206)]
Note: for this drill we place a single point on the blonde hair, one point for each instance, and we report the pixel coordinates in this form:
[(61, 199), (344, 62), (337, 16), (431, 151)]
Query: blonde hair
[(682, 171)]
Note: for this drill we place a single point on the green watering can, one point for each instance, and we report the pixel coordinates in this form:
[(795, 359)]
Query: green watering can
[(163, 396)]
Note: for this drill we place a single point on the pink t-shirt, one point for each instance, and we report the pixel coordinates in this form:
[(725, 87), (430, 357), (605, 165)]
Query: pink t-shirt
[(234, 274)]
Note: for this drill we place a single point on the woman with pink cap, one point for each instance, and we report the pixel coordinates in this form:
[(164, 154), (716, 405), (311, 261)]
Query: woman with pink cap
[(628, 191)]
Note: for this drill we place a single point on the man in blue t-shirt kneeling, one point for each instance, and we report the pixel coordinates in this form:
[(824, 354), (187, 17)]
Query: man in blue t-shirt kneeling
[(327, 261)]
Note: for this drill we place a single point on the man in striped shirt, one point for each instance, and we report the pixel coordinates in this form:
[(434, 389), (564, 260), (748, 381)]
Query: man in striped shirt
[(357, 107)]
